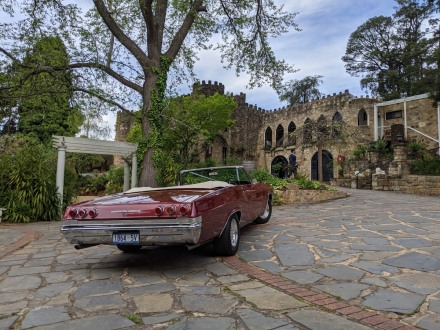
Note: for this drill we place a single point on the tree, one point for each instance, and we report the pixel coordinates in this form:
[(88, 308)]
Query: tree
[(120, 47), (322, 132), (8, 103), (393, 54), (301, 91), (94, 126), (37, 101), (196, 119)]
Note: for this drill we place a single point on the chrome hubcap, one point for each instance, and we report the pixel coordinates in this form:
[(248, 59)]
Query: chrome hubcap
[(266, 211), (234, 233)]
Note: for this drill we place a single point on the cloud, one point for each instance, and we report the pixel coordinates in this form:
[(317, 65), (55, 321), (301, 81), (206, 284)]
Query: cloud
[(316, 50)]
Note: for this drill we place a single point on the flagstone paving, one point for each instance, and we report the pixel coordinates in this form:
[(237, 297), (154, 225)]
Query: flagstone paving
[(372, 258)]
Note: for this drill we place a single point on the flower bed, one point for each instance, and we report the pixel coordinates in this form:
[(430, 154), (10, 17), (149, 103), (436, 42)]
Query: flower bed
[(299, 190)]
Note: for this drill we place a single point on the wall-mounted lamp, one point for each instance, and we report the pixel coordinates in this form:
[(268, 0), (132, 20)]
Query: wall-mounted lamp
[(399, 137)]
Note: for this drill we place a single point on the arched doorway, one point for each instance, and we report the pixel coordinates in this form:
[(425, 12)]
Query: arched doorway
[(278, 167), (327, 166)]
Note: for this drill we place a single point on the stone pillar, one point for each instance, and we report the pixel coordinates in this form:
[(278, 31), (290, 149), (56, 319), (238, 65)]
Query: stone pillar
[(373, 156), (60, 175), (400, 157)]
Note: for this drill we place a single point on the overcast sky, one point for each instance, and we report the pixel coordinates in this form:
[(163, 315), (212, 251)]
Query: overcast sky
[(316, 50)]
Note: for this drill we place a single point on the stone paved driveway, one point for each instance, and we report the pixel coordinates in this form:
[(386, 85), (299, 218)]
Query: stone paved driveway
[(377, 251)]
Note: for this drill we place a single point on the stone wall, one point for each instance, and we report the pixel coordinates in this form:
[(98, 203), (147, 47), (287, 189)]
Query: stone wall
[(293, 195), (346, 104), (411, 184)]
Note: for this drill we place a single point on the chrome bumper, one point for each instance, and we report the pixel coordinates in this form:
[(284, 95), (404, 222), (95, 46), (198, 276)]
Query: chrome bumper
[(152, 231)]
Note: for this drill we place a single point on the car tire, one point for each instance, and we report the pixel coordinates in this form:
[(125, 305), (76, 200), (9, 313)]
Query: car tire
[(266, 215), (227, 243), (129, 248)]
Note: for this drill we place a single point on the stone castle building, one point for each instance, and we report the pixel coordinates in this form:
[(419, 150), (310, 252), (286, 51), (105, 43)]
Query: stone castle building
[(264, 136)]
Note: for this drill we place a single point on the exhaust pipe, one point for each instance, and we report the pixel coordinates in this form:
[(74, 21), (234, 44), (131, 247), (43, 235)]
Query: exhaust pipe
[(84, 246)]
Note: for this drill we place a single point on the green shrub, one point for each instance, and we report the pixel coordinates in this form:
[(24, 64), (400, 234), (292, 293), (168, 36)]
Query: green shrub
[(115, 177), (416, 146), (167, 170), (278, 183), (380, 145), (71, 186), (231, 161), (28, 178), (360, 152), (429, 166)]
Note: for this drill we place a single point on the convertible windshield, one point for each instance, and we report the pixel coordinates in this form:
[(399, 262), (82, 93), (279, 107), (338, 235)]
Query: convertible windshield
[(232, 175)]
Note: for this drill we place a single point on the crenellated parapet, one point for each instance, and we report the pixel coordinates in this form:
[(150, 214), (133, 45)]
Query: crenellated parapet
[(209, 88)]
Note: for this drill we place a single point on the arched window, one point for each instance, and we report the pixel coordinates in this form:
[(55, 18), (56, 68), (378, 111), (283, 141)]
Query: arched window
[(362, 118), (336, 124), (337, 117), (290, 130), (268, 138), (322, 127), (280, 135), (307, 132)]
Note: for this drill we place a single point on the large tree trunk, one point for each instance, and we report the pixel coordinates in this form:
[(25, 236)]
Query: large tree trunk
[(320, 178), (147, 177)]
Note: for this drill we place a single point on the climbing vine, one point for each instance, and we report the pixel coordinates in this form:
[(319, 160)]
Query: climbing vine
[(154, 138)]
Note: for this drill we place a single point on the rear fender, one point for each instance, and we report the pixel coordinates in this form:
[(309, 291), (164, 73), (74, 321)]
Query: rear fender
[(236, 212)]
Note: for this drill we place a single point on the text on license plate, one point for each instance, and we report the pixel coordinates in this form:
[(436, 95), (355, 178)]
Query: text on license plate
[(125, 237)]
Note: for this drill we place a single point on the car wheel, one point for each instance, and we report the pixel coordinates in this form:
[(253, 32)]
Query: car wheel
[(129, 248), (266, 215), (227, 243)]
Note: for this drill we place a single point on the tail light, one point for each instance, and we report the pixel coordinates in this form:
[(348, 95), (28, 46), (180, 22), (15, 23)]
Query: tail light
[(158, 210), (183, 209), (83, 213), (93, 213), (171, 210), (73, 213)]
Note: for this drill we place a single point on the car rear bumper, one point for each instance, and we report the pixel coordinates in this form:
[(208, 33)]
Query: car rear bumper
[(152, 231)]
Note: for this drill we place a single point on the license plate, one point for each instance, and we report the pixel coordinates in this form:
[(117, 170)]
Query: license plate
[(125, 237)]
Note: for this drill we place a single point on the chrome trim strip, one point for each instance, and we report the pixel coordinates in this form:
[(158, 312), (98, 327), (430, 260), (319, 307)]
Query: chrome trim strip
[(152, 231), (126, 211), (68, 228), (131, 222)]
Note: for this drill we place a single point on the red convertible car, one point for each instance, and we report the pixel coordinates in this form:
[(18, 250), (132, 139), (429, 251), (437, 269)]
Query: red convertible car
[(209, 204)]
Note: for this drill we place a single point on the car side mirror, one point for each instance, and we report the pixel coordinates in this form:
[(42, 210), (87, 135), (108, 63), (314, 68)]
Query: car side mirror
[(254, 181)]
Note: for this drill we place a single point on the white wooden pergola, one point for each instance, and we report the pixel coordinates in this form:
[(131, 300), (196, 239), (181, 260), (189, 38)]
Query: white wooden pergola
[(91, 146)]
